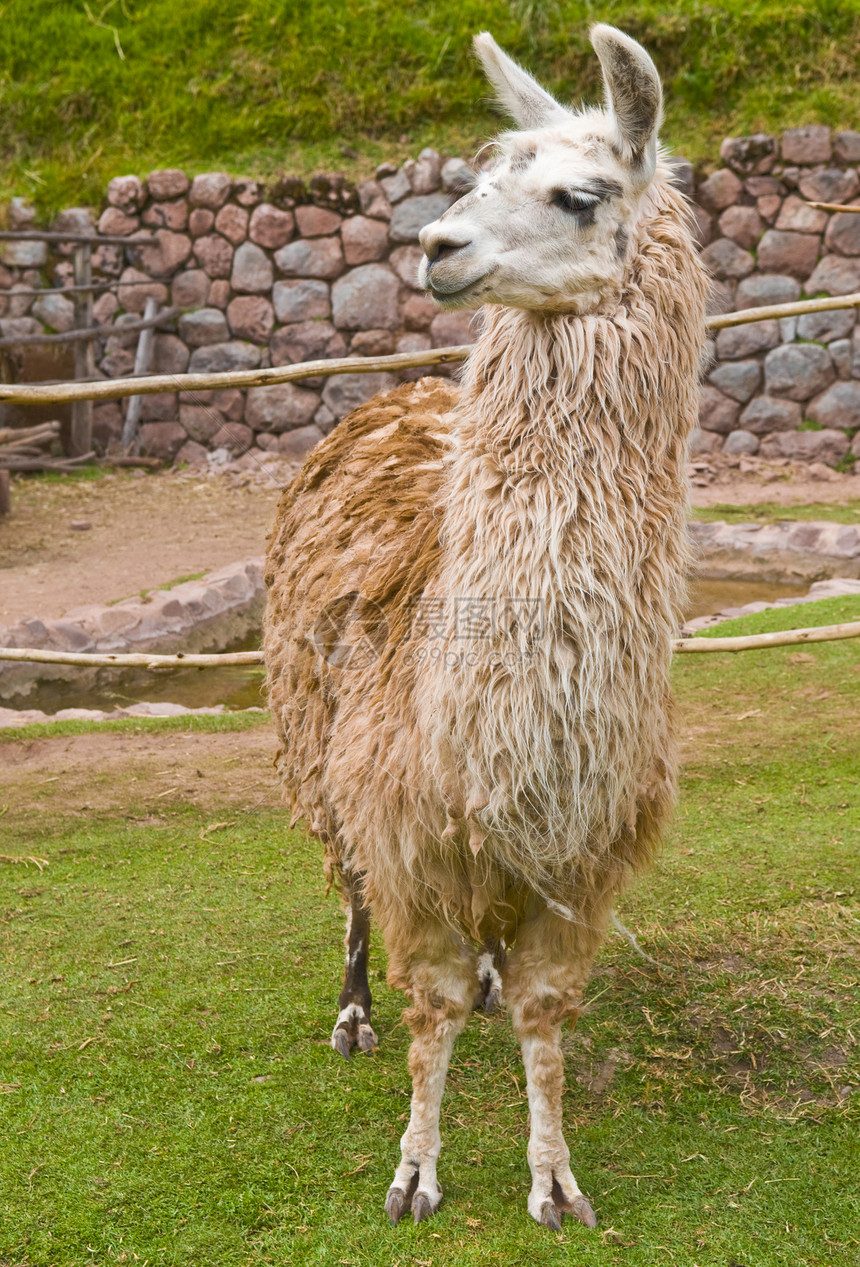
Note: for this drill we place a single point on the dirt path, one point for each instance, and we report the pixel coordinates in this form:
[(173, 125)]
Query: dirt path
[(145, 532), (148, 531)]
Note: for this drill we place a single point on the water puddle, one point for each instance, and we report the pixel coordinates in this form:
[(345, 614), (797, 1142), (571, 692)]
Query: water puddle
[(240, 686)]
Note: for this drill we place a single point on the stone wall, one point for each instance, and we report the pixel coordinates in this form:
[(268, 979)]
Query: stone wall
[(292, 272)]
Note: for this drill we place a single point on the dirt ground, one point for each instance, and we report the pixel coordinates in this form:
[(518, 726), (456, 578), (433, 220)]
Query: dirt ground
[(67, 544)]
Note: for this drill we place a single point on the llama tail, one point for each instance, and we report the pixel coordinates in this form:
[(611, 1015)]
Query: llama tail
[(630, 937)]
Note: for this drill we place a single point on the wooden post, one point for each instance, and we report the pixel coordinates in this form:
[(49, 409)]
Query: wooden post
[(85, 361), (5, 493), (130, 439)]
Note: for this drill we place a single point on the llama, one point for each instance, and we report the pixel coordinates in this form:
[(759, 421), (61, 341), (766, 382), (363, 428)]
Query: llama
[(472, 597)]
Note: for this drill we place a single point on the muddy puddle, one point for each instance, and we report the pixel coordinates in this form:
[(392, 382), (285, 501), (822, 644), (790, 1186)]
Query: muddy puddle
[(239, 686)]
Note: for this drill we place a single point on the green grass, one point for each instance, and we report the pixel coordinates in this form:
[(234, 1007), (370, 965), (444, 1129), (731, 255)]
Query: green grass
[(214, 723), (770, 512), (90, 91), (167, 994)]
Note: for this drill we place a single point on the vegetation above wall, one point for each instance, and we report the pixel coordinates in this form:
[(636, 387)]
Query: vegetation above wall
[(92, 90)]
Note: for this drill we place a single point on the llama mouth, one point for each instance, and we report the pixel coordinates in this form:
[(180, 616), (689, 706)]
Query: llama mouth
[(451, 296)]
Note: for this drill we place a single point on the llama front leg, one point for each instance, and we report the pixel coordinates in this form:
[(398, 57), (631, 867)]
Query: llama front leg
[(352, 1028), (544, 983), (439, 973)]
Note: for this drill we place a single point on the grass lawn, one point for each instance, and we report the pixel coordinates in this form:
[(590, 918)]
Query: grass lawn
[(168, 988), (257, 86), (847, 512)]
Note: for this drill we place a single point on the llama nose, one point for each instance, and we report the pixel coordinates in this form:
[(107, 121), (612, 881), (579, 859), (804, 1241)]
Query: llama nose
[(438, 245)]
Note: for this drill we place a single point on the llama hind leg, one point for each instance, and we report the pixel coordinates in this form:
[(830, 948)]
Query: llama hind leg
[(439, 974), (544, 982), (352, 1028)]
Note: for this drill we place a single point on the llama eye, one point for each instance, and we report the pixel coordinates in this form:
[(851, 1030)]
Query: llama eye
[(572, 202)]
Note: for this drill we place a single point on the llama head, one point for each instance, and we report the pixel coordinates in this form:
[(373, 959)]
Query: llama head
[(548, 225)]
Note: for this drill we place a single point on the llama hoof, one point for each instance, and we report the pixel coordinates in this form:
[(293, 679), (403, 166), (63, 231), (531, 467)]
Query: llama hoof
[(581, 1209), (423, 1204), (353, 1029), (550, 1217), (422, 1207)]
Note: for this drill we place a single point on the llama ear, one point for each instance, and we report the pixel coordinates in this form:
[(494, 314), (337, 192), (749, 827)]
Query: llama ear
[(521, 96), (633, 95)]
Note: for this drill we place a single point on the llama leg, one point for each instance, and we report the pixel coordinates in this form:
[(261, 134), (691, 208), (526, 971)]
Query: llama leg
[(353, 1028), (439, 975), (544, 982)]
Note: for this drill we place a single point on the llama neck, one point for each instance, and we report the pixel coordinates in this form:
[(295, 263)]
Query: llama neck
[(571, 440)]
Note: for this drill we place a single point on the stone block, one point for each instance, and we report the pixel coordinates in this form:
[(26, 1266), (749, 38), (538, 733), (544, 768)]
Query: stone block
[(840, 354), (162, 439), (216, 358), (451, 329), (114, 222), (210, 190), (306, 341), (325, 419), (457, 176), (410, 216), (363, 239), (214, 254), (169, 355), (251, 317), (301, 300), (21, 214), (248, 192), (317, 222), (118, 364), (683, 176), (18, 327), (235, 437), (192, 454), (807, 145), (727, 261), (219, 293), (739, 380), (703, 442), (846, 148), (167, 215), (767, 413), (397, 186), (414, 343), (373, 201), (797, 370), (107, 423), (749, 154), (105, 307), (824, 327), (768, 207), (200, 221), (426, 175), (743, 225), (796, 216), (825, 446), (831, 185), (200, 422), (366, 299), (737, 343), (24, 254), (741, 444), (716, 411), (764, 289), (838, 407), (346, 392), (372, 343), (232, 223), (133, 298), (163, 256), (406, 260), (159, 407), (843, 233), (319, 257), (126, 192), (270, 227), (792, 253), (204, 327), (281, 407), (835, 275), (190, 288), (294, 446), (168, 182), (55, 311), (252, 269), (418, 312), (720, 190)]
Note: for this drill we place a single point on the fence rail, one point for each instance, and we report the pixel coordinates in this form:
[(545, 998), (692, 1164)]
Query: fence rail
[(143, 660)]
